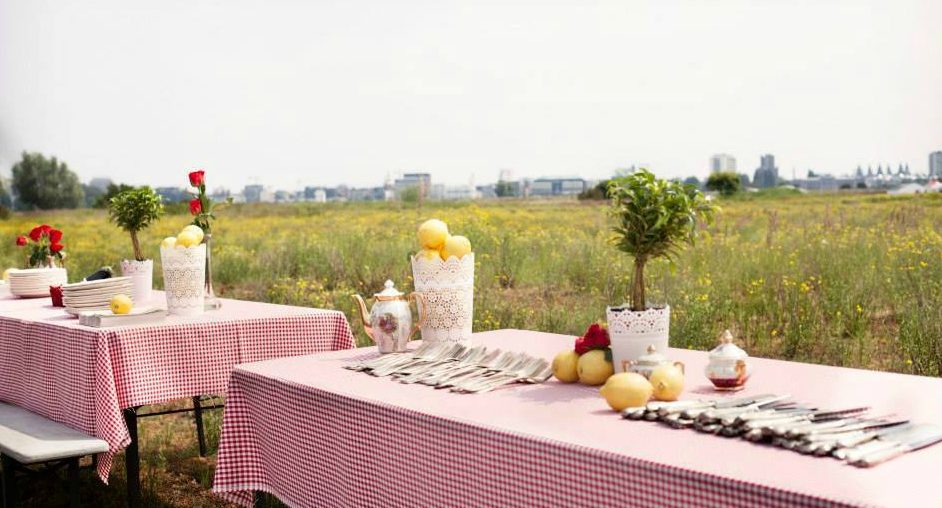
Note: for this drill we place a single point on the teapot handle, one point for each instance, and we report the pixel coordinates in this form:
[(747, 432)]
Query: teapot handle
[(422, 304), (627, 364), (680, 365)]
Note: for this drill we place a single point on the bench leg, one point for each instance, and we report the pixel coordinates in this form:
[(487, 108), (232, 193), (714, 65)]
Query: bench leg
[(74, 500), (200, 432), (132, 460), (9, 481)]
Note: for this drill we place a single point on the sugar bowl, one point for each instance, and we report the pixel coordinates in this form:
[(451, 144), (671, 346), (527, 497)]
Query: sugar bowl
[(728, 368), (646, 363)]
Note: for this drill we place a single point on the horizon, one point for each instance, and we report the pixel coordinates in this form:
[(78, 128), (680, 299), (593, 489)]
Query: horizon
[(292, 95)]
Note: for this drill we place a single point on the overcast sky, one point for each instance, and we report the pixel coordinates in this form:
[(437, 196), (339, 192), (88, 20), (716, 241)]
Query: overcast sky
[(293, 93)]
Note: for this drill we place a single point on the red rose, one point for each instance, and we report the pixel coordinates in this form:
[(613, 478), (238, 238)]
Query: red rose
[(56, 247), (596, 337), (55, 236), (195, 206), (581, 347), (36, 234), (197, 178), (21, 241), (46, 228)]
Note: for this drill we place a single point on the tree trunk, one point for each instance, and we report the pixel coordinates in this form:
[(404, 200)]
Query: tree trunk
[(137, 247), (637, 287)]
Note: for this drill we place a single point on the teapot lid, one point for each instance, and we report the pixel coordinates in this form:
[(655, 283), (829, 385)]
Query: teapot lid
[(652, 357), (727, 350), (389, 292)]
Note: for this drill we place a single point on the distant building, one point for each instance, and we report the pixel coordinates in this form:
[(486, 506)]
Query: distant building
[(766, 174), (258, 194), (935, 163), (722, 162), (453, 192), (423, 181), (569, 186)]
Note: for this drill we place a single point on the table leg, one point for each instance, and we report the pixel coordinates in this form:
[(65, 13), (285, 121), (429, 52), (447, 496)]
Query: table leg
[(200, 433), (258, 499), (132, 460), (74, 501), (9, 481)]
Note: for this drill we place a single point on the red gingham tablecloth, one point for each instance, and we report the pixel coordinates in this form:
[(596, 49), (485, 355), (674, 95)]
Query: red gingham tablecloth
[(84, 377), (317, 435)]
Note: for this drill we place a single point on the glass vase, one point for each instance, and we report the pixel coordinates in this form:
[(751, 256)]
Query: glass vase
[(210, 300)]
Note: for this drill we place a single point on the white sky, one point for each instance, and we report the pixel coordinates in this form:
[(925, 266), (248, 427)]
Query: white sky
[(293, 93)]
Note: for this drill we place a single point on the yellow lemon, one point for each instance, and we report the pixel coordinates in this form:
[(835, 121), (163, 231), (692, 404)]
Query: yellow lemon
[(6, 274), (121, 304), (627, 389), (428, 254), (565, 366), (196, 230), (593, 368), (668, 382), (457, 246), (186, 239), (169, 242), (432, 234)]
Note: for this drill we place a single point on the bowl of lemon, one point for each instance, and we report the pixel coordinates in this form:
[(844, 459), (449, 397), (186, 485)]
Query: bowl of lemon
[(183, 259), (443, 271)]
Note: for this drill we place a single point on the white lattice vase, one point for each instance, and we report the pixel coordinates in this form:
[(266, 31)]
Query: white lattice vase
[(142, 278), (184, 277), (632, 332), (448, 288)]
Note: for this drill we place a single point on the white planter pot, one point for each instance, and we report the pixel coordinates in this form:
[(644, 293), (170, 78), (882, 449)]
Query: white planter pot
[(448, 290), (184, 279), (142, 278), (632, 332)]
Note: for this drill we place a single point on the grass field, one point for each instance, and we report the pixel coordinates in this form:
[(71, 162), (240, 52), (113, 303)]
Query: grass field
[(851, 280)]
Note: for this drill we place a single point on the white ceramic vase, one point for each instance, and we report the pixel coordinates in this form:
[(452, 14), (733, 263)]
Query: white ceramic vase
[(632, 332), (184, 278), (448, 291), (142, 278)]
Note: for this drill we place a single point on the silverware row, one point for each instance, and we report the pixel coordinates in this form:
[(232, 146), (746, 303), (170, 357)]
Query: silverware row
[(848, 434), (460, 368)]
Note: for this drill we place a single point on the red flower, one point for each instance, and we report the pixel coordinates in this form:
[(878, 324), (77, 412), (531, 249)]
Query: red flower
[(56, 247), (596, 337), (195, 206), (55, 236), (37, 233), (197, 178), (21, 241)]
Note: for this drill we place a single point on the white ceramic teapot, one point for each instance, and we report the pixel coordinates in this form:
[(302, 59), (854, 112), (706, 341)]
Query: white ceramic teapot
[(389, 322), (728, 369)]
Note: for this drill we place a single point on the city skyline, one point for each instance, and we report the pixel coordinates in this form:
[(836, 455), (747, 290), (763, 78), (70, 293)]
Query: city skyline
[(294, 94)]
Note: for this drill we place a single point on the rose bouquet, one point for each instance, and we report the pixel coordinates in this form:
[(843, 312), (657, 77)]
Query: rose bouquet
[(44, 246)]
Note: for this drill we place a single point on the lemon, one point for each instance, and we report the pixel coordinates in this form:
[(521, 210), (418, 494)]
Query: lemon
[(196, 230), (668, 382), (6, 274), (121, 304), (593, 368), (428, 254), (186, 239), (627, 389), (169, 242), (565, 366), (432, 234), (457, 246)]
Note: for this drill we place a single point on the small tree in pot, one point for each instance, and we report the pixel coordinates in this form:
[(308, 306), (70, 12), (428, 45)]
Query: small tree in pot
[(133, 211), (655, 218)]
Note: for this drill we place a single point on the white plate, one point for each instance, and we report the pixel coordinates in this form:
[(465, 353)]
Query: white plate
[(99, 292), (88, 284)]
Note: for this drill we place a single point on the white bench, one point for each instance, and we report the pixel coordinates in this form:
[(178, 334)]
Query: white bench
[(27, 438)]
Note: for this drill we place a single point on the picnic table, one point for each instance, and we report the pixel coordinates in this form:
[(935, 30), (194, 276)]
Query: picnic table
[(315, 434), (95, 379)]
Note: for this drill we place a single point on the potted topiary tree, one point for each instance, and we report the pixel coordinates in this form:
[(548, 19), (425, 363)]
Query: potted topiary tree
[(133, 211), (655, 219)]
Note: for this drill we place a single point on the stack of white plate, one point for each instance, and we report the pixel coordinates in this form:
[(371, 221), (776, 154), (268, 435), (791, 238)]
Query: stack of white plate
[(94, 295), (35, 282)]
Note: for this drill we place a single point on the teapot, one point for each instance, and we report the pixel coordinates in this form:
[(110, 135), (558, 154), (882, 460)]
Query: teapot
[(646, 363), (389, 322), (727, 368)]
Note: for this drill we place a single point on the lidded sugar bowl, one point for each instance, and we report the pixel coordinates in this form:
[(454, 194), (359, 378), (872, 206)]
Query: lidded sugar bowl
[(646, 363), (728, 368), (389, 322)]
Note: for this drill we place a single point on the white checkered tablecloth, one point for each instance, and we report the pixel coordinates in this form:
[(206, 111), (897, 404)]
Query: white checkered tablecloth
[(84, 377), (317, 435)]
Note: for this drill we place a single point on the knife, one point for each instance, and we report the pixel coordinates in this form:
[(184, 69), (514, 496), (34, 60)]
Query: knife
[(921, 437)]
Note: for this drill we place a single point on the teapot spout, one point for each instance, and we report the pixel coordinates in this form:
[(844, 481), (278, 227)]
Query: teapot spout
[(364, 315)]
